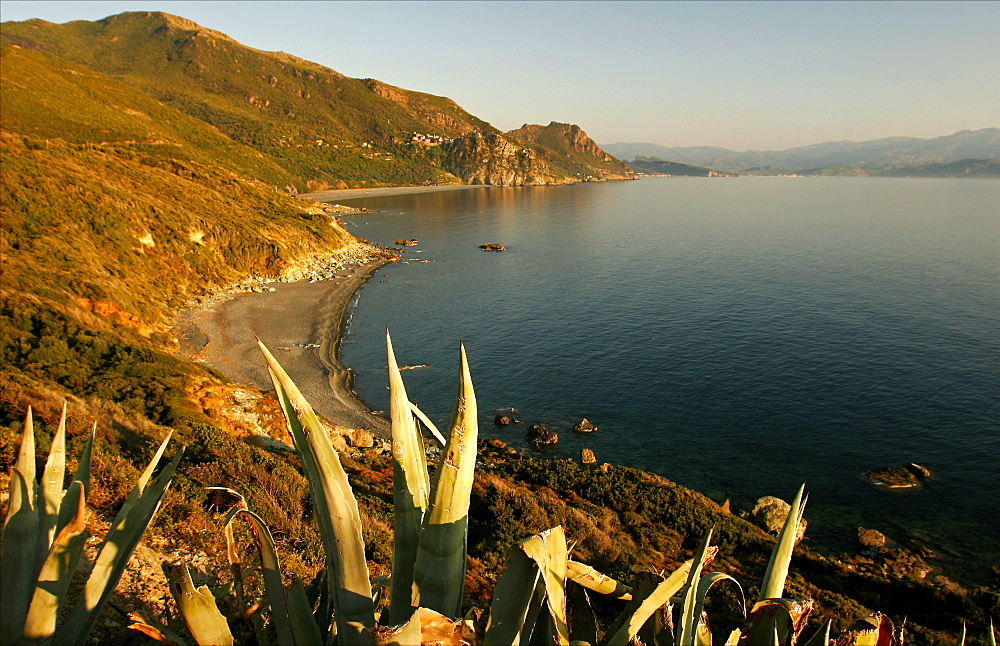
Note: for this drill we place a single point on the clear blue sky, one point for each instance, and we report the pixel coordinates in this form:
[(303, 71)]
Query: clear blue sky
[(764, 75)]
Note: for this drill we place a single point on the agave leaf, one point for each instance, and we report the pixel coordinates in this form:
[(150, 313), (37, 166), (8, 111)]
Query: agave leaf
[(51, 493), (704, 585), (336, 511), (734, 637), (56, 572), (512, 599), (788, 616), (154, 630), (822, 636), (440, 565), (67, 509), (17, 569), (644, 585), (429, 424), (591, 579), (773, 585), (548, 551), (962, 634), (304, 627), (405, 633), (659, 597), (271, 571), (26, 457), (411, 489), (115, 552), (581, 618), (687, 625), (993, 635), (198, 608)]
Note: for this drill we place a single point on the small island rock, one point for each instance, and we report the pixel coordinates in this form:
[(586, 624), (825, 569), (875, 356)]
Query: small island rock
[(539, 436), (492, 246), (584, 426)]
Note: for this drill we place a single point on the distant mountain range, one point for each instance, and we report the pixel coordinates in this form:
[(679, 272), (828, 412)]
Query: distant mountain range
[(951, 155)]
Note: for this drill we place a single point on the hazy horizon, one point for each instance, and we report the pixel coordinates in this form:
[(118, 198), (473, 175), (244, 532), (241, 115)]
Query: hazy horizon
[(736, 75)]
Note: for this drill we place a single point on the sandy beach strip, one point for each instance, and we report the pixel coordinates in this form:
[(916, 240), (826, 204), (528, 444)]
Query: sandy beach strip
[(339, 195), (302, 323)]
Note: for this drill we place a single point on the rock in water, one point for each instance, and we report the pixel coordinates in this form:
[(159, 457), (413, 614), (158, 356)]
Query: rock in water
[(539, 436), (871, 538), (501, 420), (492, 246), (584, 426), (909, 475), (587, 457)]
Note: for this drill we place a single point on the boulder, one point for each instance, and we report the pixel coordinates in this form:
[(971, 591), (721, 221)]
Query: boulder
[(539, 436), (587, 457), (870, 538), (492, 246), (918, 470), (605, 468), (584, 426), (770, 513), (501, 420), (359, 438)]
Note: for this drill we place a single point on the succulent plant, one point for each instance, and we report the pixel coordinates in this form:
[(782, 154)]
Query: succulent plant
[(43, 538)]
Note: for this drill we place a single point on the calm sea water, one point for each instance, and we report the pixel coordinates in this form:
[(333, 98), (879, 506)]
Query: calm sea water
[(738, 336)]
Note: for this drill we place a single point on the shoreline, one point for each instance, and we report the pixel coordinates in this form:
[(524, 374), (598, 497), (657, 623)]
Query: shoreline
[(220, 333), (357, 193)]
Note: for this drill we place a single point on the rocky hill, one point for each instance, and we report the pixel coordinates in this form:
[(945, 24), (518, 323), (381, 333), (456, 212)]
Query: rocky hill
[(325, 130)]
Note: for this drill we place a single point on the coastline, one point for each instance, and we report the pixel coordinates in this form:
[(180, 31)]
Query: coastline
[(306, 340), (356, 193)]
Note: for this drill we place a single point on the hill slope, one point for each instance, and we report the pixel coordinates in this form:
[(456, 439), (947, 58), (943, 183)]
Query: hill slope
[(325, 129)]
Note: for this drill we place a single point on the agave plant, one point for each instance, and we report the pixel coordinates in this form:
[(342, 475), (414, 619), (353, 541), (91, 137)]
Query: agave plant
[(43, 538), (531, 601)]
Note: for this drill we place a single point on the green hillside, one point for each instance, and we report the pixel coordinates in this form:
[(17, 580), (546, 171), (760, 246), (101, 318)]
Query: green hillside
[(571, 151), (324, 129)]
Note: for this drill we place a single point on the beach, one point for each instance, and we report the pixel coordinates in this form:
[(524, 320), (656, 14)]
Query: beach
[(302, 324), (356, 193)]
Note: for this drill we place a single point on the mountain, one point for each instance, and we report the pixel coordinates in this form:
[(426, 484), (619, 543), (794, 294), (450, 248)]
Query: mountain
[(874, 155), (571, 151), (325, 130), (656, 166)]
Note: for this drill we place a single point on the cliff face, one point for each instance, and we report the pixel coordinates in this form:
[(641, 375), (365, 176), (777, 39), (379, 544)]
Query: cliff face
[(492, 158), (571, 152)]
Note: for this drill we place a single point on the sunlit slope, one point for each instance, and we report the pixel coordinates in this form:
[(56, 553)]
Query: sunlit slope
[(325, 129)]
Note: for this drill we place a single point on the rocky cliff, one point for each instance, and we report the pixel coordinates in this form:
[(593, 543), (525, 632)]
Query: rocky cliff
[(570, 152)]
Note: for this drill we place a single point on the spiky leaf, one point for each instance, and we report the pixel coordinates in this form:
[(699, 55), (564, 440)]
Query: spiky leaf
[(336, 510)]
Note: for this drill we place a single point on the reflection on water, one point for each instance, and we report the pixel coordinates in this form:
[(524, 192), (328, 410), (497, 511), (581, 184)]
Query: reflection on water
[(739, 336)]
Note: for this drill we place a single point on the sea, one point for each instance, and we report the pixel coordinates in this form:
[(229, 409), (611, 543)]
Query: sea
[(739, 336)]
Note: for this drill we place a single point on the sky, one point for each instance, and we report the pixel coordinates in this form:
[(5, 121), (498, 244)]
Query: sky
[(740, 75)]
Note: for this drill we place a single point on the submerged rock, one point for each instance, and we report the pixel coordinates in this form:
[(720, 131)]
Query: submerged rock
[(907, 476), (501, 420)]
